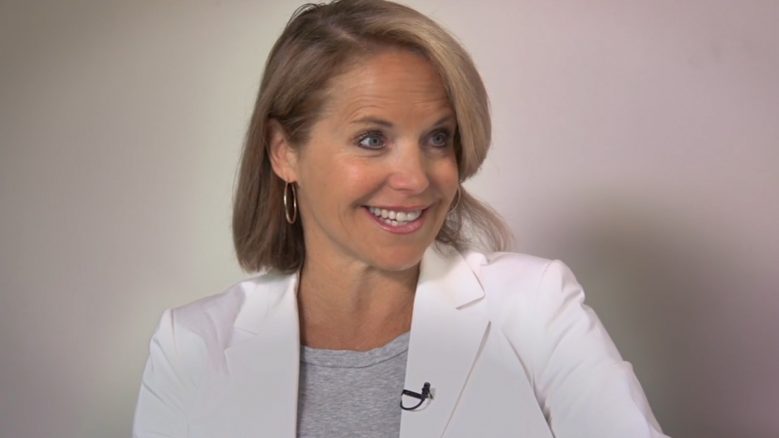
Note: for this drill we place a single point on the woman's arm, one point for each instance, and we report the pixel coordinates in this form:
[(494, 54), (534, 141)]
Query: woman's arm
[(583, 385)]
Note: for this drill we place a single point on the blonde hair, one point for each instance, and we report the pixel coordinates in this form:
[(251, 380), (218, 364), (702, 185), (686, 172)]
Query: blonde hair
[(319, 43)]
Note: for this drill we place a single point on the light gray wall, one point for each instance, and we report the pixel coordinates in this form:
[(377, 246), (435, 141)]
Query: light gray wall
[(637, 141)]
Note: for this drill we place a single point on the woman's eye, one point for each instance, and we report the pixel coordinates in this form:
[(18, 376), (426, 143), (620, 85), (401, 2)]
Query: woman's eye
[(440, 139), (371, 141)]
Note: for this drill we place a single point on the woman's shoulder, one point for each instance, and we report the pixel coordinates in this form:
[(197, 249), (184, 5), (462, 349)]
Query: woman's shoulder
[(212, 319), (516, 271), (520, 284), (538, 306)]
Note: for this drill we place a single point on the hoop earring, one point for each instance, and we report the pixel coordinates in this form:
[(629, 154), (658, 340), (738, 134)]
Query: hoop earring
[(457, 202), (290, 217)]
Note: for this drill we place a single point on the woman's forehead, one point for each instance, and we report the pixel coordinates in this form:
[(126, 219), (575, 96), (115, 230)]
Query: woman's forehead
[(391, 81)]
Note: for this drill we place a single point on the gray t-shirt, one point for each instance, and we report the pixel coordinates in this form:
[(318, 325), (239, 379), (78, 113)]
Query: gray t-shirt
[(352, 393)]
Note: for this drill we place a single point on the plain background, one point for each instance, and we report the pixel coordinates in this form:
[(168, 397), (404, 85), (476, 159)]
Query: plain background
[(635, 140)]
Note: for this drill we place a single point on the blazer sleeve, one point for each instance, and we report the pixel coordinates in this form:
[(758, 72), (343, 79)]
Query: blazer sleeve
[(584, 387), (167, 386)]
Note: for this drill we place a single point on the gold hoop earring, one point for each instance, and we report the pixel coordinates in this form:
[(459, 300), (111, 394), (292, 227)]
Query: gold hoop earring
[(457, 201), (290, 217)]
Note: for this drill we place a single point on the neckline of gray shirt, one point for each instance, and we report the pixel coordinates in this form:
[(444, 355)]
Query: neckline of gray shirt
[(354, 359)]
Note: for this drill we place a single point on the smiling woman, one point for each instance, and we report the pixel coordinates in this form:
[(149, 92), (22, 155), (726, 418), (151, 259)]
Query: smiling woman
[(316, 58), (349, 205), (378, 175)]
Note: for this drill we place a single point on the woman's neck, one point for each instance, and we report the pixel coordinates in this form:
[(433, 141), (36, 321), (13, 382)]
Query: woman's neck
[(353, 307)]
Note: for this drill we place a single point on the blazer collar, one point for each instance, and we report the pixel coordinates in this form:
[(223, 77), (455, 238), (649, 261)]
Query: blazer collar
[(448, 327), (263, 360), (447, 330), (271, 295)]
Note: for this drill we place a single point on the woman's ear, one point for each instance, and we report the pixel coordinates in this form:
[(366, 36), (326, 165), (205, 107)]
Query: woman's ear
[(283, 157)]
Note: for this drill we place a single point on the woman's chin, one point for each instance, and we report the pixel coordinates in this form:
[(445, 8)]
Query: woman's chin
[(398, 261)]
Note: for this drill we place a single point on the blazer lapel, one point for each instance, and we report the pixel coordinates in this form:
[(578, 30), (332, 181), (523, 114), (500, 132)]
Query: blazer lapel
[(447, 330), (263, 362)]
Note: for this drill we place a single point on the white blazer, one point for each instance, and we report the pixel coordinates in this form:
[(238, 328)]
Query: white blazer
[(505, 340)]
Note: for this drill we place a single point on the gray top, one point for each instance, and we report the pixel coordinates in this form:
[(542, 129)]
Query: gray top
[(352, 393)]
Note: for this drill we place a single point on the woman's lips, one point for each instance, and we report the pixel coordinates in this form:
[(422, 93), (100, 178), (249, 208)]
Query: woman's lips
[(397, 220)]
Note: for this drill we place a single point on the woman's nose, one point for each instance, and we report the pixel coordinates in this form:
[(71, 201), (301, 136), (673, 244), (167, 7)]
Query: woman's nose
[(409, 170)]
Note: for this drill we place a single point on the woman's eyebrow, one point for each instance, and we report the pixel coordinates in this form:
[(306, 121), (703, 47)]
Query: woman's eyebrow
[(369, 120), (445, 119)]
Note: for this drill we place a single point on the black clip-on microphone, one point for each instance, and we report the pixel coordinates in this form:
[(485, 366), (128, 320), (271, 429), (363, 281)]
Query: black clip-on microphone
[(422, 397)]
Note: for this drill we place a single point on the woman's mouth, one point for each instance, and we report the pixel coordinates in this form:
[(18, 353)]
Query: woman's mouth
[(399, 221), (393, 217)]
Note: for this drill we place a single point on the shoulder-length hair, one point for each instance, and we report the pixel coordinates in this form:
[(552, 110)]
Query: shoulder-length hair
[(320, 42)]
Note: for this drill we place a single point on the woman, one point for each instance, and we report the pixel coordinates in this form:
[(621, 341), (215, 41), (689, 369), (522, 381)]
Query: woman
[(349, 204)]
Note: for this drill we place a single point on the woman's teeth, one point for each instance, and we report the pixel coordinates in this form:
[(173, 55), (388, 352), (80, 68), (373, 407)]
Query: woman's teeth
[(395, 218)]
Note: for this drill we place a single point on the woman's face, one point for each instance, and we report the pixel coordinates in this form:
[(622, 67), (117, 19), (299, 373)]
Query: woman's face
[(379, 173)]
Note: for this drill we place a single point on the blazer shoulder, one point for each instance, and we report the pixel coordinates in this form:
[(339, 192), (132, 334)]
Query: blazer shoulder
[(521, 283), (508, 273), (213, 318), (516, 264)]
